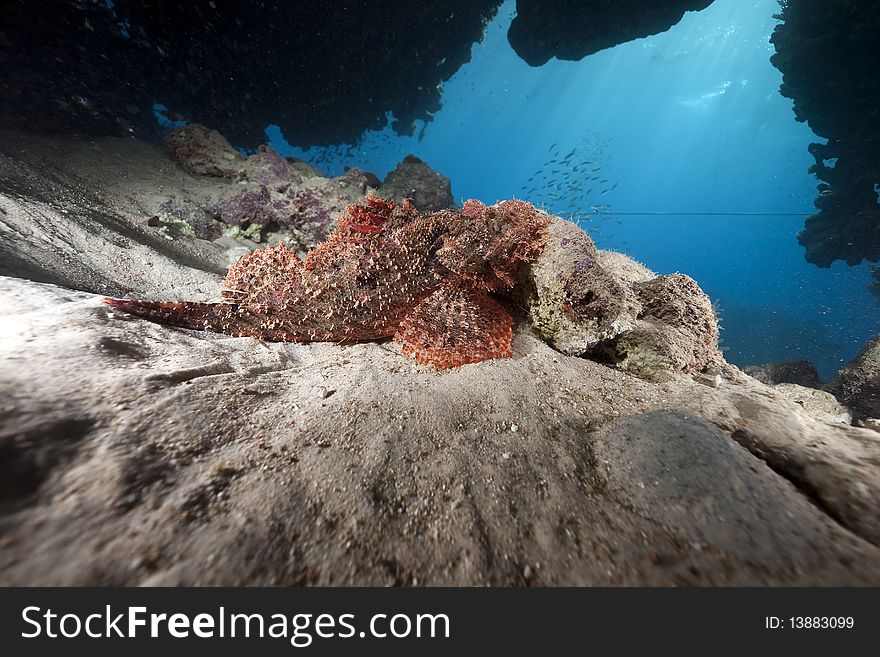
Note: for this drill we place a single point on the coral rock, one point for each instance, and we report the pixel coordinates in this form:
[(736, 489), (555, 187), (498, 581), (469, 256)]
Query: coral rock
[(268, 168), (248, 204), (188, 218), (573, 301), (818, 404), (363, 180), (625, 269), (413, 179), (303, 208), (857, 385), (676, 331), (285, 195), (800, 372), (204, 152), (606, 306)]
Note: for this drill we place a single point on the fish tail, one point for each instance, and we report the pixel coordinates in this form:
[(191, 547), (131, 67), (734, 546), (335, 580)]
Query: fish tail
[(185, 314)]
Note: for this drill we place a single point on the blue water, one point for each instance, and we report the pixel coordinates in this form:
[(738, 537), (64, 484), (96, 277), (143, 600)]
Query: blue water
[(708, 161)]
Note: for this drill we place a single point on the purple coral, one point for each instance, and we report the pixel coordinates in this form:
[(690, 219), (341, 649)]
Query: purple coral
[(203, 225), (314, 206), (249, 206), (268, 168)]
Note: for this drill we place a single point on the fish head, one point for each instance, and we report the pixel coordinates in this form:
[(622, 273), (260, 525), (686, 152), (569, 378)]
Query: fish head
[(488, 244)]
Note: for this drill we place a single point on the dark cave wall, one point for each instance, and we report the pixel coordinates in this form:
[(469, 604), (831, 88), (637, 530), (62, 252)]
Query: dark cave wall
[(573, 29), (323, 71), (829, 55)]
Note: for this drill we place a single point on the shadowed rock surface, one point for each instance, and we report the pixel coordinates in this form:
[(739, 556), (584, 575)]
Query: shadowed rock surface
[(415, 180), (77, 213), (858, 383), (98, 68), (800, 372), (237, 67), (572, 29), (828, 54)]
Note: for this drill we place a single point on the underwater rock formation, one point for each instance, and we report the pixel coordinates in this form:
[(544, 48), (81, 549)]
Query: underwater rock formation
[(272, 194), (573, 30), (574, 302), (363, 179), (186, 217), (828, 54), (607, 306), (204, 152), (799, 372), (157, 456), (96, 68), (857, 385), (414, 180), (676, 330), (133, 453), (277, 194), (818, 404)]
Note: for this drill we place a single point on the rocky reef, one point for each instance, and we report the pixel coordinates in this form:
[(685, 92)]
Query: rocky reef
[(286, 199), (631, 453), (603, 305), (413, 179), (799, 372), (858, 383), (289, 199), (828, 54), (574, 30), (851, 397), (99, 68)]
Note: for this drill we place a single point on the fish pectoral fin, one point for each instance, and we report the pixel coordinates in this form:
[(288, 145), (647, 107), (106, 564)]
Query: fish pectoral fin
[(267, 276), (456, 325)]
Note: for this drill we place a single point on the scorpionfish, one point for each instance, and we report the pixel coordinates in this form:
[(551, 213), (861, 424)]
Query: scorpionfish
[(386, 271)]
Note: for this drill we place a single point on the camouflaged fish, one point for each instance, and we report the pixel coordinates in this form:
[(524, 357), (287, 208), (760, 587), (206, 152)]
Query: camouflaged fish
[(386, 271)]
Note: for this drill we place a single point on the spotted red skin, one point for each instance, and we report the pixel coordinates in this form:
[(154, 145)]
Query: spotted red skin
[(386, 271)]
